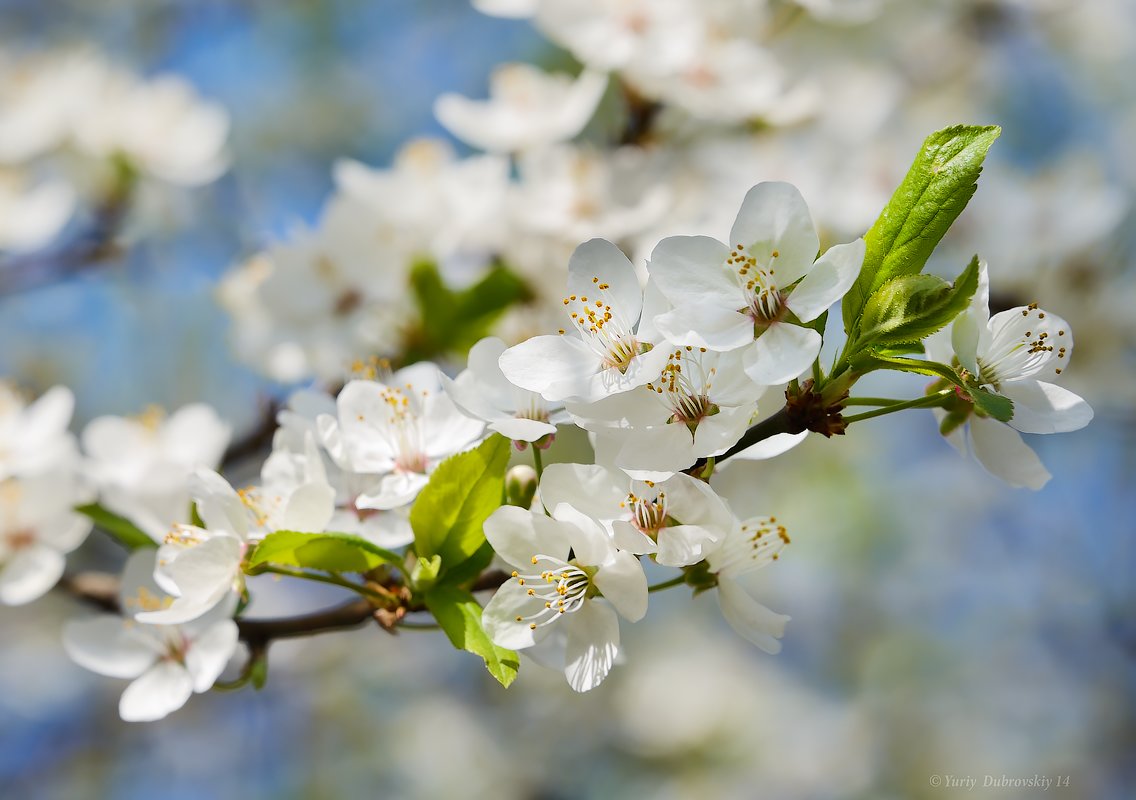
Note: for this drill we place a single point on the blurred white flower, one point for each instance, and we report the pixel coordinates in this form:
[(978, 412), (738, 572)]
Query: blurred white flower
[(548, 588), (34, 437), (31, 215), (527, 108), (37, 529), (167, 663), (142, 465)]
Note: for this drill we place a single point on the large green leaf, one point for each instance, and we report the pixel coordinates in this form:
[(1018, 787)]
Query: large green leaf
[(463, 491), (452, 321), (123, 530), (910, 308), (328, 552), (460, 617), (935, 191)]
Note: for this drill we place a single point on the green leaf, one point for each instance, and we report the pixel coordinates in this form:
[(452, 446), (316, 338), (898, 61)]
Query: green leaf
[(424, 574), (937, 188), (463, 491), (123, 530), (452, 321), (328, 552), (460, 617), (471, 568), (911, 307), (993, 405), (871, 360)]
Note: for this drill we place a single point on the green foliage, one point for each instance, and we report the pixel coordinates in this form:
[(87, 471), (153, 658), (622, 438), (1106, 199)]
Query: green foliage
[(459, 614), (328, 552), (936, 189), (910, 308), (452, 321), (463, 491), (123, 530), (992, 405), (424, 573)]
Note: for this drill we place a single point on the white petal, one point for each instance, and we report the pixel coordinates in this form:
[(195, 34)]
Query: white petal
[(829, 280), (782, 353), (362, 415), (718, 433), (500, 617), (623, 583), (64, 532), (682, 545), (965, 333), (588, 488), (160, 690), (715, 330), (556, 367), (209, 653), (1000, 449), (692, 270), (1041, 407), (643, 368), (29, 574), (662, 451), (393, 491), (593, 642), (446, 430), (629, 538), (218, 504), (774, 216), (517, 534), (773, 446), (522, 430), (309, 508), (110, 646), (602, 260), (749, 618)]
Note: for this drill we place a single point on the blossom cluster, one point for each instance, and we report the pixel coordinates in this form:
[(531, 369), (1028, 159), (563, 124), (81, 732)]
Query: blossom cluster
[(73, 125), (665, 376)]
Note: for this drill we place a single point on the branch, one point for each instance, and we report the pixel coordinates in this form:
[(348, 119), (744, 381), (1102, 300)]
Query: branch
[(100, 590)]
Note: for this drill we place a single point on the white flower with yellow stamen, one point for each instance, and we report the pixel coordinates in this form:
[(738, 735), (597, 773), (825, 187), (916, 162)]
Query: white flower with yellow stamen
[(750, 545), (34, 436), (675, 520), (167, 663), (568, 573), (397, 431), (201, 566), (758, 293), (699, 405), (608, 351), (1011, 353)]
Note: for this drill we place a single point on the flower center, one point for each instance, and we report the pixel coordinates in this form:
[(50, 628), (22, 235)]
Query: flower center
[(404, 426), (20, 538), (684, 387), (604, 328), (649, 515), (560, 588), (764, 301), (1021, 345), (754, 543)]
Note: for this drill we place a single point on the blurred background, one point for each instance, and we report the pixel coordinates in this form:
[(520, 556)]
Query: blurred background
[(943, 624)]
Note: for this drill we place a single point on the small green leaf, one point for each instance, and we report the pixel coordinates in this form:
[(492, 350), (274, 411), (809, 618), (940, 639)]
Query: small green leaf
[(459, 614), (425, 573), (463, 491), (910, 308), (935, 191), (123, 530), (993, 405), (328, 552), (258, 671), (871, 360)]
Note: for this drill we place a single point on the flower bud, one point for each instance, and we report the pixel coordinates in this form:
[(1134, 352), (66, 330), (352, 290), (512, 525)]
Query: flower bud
[(520, 486)]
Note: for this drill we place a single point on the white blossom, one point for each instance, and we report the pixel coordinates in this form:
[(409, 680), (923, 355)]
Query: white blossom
[(167, 664), (576, 594), (758, 292), (527, 108)]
